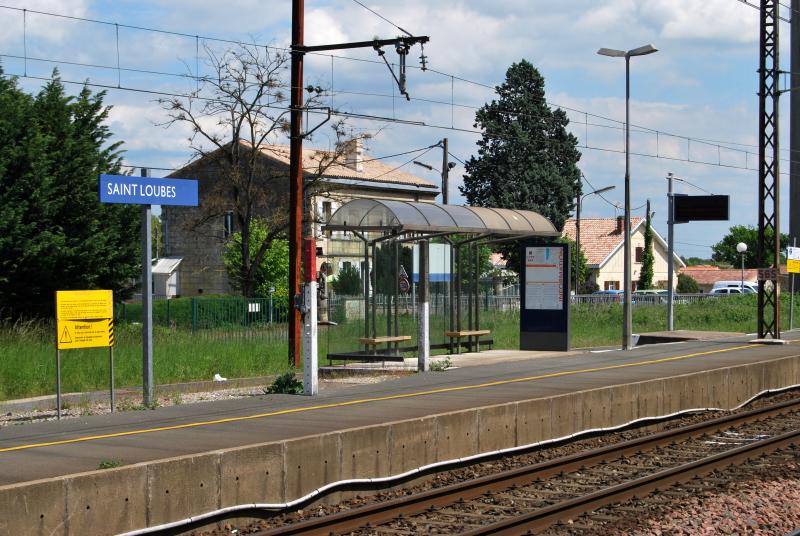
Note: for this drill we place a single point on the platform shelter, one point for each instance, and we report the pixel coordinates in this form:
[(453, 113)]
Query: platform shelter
[(395, 310)]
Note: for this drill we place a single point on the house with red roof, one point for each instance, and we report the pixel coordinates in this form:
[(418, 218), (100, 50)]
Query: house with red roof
[(602, 242)]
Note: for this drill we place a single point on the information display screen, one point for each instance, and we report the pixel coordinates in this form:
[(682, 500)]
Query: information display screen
[(700, 208)]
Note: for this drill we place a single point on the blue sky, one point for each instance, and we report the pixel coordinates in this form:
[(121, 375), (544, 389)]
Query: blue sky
[(701, 84)]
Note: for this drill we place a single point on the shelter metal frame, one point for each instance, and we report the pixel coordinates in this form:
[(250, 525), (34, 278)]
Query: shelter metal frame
[(408, 222)]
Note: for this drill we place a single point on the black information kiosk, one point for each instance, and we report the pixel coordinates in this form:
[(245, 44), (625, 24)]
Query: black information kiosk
[(544, 295)]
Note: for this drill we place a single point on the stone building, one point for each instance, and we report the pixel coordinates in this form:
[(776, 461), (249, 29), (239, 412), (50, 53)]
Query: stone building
[(197, 235)]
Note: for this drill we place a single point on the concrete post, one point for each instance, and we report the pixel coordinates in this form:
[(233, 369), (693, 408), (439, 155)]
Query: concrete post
[(423, 310), (310, 359)]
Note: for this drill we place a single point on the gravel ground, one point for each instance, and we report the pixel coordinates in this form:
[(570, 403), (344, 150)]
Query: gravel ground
[(760, 497), (134, 403)]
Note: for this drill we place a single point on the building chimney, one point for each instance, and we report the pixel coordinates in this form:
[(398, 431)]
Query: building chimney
[(354, 154), (620, 224)]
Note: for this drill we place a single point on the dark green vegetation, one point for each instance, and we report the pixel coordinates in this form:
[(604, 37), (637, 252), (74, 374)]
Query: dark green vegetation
[(54, 233), (348, 281), (725, 249), (272, 269), (687, 284), (28, 369), (646, 275), (286, 384), (526, 157)]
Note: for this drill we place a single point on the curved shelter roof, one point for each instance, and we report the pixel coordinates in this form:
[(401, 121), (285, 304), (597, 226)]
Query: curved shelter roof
[(403, 216)]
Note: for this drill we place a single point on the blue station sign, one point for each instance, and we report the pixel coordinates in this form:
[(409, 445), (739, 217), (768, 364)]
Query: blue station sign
[(147, 191)]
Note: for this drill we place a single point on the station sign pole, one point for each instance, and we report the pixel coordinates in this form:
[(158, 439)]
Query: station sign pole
[(147, 302), (144, 191)]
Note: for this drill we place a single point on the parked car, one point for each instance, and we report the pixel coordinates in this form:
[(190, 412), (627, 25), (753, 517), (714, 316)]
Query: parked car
[(610, 295), (651, 295), (747, 286), (729, 291)]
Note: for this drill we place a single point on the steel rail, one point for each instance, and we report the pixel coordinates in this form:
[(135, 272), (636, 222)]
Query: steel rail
[(545, 517), (382, 512)]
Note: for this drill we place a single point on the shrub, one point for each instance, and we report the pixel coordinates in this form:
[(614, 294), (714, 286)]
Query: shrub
[(348, 281), (285, 384), (687, 284)]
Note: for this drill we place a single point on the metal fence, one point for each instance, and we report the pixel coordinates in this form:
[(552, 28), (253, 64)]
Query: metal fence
[(236, 316), (210, 313)]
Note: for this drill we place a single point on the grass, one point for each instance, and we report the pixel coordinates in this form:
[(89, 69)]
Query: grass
[(27, 359), (27, 354)]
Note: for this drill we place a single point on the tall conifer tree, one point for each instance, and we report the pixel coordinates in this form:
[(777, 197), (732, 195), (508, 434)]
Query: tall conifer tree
[(54, 232), (526, 157)]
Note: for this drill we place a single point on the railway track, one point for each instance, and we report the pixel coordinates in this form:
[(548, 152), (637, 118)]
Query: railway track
[(532, 498)]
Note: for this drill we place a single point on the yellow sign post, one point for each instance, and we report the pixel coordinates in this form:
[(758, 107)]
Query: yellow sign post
[(793, 266), (84, 319)]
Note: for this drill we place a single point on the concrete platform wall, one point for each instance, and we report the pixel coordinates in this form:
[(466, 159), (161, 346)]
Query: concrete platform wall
[(146, 494)]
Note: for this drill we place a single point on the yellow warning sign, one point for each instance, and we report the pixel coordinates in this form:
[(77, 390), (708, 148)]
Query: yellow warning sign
[(793, 267), (84, 304), (85, 333), (84, 319)]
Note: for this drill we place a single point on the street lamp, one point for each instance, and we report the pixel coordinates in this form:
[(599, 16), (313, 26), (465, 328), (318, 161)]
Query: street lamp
[(578, 228), (627, 322), (741, 247)]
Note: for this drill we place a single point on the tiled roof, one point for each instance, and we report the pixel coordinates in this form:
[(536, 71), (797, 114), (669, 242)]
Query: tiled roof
[(599, 236), (373, 170), (708, 275)]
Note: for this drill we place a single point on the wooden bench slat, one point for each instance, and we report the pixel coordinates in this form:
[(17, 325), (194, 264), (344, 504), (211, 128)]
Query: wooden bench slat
[(371, 341), (473, 333)]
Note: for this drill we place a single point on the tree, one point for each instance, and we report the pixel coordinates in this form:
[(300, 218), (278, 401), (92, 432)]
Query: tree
[(273, 270), (232, 114), (583, 270), (348, 281), (646, 275), (725, 249), (54, 232), (526, 157), (687, 285)]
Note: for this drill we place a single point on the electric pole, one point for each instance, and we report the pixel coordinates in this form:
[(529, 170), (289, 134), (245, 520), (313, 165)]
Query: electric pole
[(769, 235), (296, 200), (446, 170), (296, 179), (794, 127)]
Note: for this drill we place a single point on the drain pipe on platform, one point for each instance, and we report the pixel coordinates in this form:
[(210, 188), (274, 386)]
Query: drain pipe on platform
[(437, 465)]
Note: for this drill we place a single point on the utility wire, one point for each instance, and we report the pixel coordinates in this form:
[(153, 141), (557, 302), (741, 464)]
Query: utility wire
[(758, 8), (367, 117), (382, 17), (197, 37)]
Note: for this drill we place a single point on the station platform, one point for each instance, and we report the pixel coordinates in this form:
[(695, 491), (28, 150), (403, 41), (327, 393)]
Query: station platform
[(185, 460)]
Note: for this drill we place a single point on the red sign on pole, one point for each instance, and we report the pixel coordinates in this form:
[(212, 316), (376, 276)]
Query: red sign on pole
[(310, 259)]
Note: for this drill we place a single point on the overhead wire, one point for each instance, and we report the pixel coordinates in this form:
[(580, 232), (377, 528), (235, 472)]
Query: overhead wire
[(635, 128), (382, 17), (714, 143)]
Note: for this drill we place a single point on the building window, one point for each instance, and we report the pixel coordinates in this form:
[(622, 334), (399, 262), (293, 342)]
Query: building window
[(639, 254), (326, 214), (611, 285), (227, 224)]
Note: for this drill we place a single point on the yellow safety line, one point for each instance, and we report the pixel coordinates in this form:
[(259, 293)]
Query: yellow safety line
[(368, 400)]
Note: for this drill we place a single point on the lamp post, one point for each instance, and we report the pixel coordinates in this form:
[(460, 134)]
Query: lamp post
[(578, 229), (627, 322), (741, 247)]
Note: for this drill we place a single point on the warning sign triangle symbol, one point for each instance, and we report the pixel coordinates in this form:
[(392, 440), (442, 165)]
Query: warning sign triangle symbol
[(65, 336)]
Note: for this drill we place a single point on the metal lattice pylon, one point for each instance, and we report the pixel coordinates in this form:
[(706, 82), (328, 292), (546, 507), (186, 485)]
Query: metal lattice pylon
[(768, 174)]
